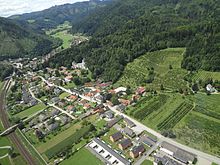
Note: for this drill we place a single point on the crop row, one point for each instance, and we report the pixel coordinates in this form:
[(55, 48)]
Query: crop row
[(175, 117), (149, 108)]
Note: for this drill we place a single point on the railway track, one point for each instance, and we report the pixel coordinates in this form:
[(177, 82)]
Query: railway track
[(13, 137)]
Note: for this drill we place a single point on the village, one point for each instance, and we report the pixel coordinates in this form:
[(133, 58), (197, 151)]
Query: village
[(66, 98)]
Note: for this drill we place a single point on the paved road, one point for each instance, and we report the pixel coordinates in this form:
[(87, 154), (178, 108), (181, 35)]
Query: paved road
[(13, 137), (140, 127), (63, 111)]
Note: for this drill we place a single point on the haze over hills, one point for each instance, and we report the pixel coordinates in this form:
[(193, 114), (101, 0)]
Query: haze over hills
[(54, 16), (20, 41), (127, 29)]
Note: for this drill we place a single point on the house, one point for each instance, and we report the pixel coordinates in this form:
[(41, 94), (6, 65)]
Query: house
[(147, 140), (70, 108), (33, 102), (114, 121), (42, 117), (81, 65), (129, 123), (124, 144), (210, 88), (109, 114), (129, 132), (52, 127), (120, 89), (140, 91), (64, 120), (54, 112), (61, 104), (55, 99), (125, 102), (98, 97), (86, 106), (121, 107), (116, 136), (57, 91), (136, 151), (68, 78), (39, 134), (73, 98)]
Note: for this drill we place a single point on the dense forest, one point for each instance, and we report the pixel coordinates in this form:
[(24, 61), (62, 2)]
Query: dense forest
[(54, 16), (126, 29), (5, 70), (19, 41)]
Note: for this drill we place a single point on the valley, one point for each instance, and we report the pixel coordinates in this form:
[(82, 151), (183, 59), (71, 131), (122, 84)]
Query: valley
[(118, 82)]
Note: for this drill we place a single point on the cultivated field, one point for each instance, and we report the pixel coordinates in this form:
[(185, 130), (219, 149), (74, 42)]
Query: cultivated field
[(200, 129), (136, 72)]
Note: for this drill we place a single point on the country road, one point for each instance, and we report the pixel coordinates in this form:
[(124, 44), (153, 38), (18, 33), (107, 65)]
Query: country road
[(13, 137)]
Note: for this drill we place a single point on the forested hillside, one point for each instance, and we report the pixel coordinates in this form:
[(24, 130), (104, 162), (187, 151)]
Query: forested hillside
[(54, 16), (127, 29), (17, 41)]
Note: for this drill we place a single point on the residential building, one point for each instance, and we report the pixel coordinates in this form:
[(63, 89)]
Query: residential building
[(136, 151), (129, 132), (107, 153), (116, 136), (124, 144), (129, 123)]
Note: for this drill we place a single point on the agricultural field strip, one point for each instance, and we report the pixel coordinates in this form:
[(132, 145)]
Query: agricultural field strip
[(176, 116)]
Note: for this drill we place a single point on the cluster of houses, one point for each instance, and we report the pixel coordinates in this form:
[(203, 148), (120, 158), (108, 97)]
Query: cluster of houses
[(46, 122)]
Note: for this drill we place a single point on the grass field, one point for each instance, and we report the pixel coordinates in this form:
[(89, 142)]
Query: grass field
[(5, 161), (31, 111), (58, 138), (63, 95), (208, 105), (136, 72), (82, 157), (70, 85), (147, 162)]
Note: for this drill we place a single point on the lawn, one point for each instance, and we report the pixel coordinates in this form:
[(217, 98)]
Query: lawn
[(82, 157), (200, 131), (4, 141), (70, 85), (147, 162), (63, 95), (65, 36), (30, 111), (136, 72), (58, 138), (5, 161)]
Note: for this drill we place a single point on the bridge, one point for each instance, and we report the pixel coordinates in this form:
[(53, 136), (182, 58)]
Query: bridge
[(9, 130)]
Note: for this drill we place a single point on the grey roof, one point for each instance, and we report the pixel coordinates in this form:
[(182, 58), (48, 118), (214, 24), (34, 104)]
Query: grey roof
[(53, 126), (129, 122), (129, 132), (138, 149), (179, 154), (125, 143), (166, 160), (184, 156), (114, 121), (112, 152), (147, 140), (109, 114), (117, 135)]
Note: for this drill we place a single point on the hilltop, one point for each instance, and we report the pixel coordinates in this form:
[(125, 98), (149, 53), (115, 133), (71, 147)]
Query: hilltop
[(54, 16), (19, 41)]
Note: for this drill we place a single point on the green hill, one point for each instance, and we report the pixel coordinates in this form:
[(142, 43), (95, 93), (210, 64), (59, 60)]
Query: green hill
[(125, 30), (54, 16), (19, 41)]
